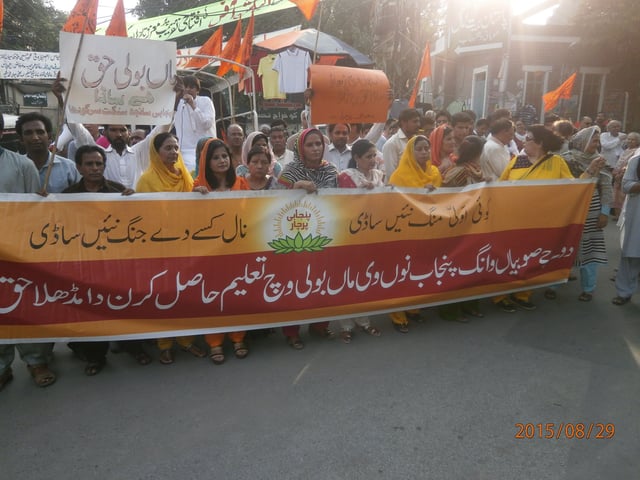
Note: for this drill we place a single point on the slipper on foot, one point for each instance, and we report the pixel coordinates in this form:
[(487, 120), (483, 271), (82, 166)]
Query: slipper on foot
[(620, 300)]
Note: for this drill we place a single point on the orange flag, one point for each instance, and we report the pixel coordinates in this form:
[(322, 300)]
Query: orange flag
[(231, 49), (563, 91), (82, 18), (213, 47), (1, 15), (425, 71), (244, 53), (307, 7), (118, 24)]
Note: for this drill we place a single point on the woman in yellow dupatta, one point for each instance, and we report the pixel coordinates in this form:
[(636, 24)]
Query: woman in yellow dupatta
[(167, 173), (414, 170)]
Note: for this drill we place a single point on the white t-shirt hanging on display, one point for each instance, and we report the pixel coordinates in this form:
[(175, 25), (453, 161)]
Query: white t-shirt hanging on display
[(292, 65)]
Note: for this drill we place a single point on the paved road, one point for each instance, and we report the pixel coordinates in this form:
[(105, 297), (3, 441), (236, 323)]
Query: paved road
[(441, 402)]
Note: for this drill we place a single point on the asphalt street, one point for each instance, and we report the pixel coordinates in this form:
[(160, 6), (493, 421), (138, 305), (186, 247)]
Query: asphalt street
[(441, 402)]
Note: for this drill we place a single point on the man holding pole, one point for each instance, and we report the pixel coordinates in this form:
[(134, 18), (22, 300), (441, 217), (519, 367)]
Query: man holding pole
[(18, 174), (34, 131)]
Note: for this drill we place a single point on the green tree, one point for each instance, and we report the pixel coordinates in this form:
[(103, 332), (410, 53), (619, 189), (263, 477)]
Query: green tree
[(32, 25), (610, 35)]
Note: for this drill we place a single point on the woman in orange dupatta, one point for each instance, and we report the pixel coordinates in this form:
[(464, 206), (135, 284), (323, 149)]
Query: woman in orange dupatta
[(216, 174), (167, 173), (443, 148), (414, 170)]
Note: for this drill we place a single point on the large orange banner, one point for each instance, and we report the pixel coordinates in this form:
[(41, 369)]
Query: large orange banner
[(153, 265)]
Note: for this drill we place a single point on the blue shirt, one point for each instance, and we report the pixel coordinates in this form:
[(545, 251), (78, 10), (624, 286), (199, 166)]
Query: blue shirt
[(63, 174)]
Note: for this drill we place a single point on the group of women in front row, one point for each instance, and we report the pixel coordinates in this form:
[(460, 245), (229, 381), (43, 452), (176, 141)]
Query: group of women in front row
[(309, 171)]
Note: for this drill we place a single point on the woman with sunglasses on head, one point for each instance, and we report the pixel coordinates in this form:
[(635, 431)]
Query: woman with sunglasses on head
[(360, 173), (538, 162), (216, 174)]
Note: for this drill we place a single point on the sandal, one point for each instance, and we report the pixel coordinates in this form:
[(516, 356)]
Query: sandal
[(346, 336), (415, 317), (94, 368), (473, 312), (5, 378), (373, 331), (550, 294), (620, 300), (401, 327), (194, 350), (217, 355), (142, 358), (42, 375), (322, 333), (585, 297), (166, 357), (295, 343), (240, 350)]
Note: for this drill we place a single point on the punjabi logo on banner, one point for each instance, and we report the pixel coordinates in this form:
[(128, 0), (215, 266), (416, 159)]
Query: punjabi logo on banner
[(154, 265), (118, 80)]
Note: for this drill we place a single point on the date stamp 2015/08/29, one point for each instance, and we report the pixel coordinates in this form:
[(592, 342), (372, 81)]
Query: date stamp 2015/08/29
[(569, 430)]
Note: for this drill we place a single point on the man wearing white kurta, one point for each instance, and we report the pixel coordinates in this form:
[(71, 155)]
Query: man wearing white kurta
[(495, 153), (195, 118)]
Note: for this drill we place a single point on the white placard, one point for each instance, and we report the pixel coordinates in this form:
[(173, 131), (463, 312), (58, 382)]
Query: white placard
[(18, 65), (118, 80)]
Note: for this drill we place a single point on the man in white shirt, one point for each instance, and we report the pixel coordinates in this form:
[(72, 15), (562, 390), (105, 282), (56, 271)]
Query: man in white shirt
[(612, 142), (195, 118), (495, 153), (409, 121), (390, 127), (278, 141), (338, 152), (125, 164)]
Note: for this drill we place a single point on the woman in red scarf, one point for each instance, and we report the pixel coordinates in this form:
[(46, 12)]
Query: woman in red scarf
[(216, 174)]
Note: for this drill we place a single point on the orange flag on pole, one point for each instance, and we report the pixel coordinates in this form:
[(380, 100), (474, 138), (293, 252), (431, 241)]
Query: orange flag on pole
[(552, 98), (118, 24), (82, 18), (244, 54), (307, 7), (424, 72), (212, 47), (231, 49)]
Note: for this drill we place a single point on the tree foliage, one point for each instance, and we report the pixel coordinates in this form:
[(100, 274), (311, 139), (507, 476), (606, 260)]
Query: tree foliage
[(610, 34), (32, 25)]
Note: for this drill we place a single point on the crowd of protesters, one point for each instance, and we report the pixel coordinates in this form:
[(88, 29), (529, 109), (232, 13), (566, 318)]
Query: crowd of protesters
[(428, 151)]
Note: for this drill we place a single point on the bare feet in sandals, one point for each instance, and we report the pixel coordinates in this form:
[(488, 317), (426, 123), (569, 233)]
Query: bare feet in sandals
[(42, 375), (373, 331), (217, 355), (240, 350)]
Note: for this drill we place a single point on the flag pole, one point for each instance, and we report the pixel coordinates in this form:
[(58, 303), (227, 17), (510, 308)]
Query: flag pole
[(315, 48), (61, 111)]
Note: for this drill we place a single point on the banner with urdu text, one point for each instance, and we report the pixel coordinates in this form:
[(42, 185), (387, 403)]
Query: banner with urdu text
[(153, 265)]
